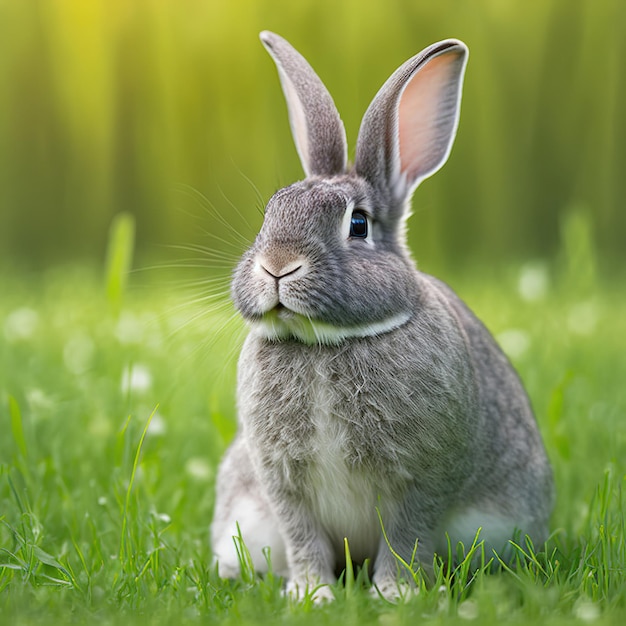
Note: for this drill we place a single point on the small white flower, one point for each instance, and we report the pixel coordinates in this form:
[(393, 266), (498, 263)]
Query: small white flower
[(586, 610), (78, 353), (39, 400), (158, 425), (136, 378), (129, 329), (21, 324), (533, 282), (514, 341), (198, 468), (583, 318), (468, 610)]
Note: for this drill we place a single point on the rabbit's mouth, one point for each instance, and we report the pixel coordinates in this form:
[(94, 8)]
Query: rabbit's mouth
[(282, 312)]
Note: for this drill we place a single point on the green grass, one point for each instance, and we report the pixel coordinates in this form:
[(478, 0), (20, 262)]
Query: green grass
[(114, 411)]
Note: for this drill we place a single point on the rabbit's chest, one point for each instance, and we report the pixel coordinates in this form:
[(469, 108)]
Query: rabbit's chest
[(343, 493), (346, 436), (326, 423)]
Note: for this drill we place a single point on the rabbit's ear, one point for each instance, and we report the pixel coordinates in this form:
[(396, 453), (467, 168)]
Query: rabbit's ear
[(408, 129), (317, 129)]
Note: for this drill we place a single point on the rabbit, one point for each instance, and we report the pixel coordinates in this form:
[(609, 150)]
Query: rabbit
[(369, 396)]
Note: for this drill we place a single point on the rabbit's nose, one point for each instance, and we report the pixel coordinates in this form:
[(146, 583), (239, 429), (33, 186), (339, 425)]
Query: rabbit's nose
[(279, 268)]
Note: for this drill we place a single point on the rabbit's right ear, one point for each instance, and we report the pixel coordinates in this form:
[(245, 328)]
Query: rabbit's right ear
[(316, 127), (408, 129)]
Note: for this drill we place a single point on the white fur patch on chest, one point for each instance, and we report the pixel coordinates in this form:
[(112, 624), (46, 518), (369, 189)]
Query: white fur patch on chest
[(344, 499)]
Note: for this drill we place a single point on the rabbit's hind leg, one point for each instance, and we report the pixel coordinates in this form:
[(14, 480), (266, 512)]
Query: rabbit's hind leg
[(491, 533), (243, 522)]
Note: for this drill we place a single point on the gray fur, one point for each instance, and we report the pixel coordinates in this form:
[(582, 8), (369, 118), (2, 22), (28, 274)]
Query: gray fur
[(363, 382), (309, 102)]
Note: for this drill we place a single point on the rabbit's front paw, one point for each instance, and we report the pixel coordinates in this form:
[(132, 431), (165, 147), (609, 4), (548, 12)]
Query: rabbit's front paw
[(393, 590), (299, 591)]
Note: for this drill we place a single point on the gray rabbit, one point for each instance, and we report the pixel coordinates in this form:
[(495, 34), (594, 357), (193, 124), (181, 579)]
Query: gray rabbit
[(365, 385)]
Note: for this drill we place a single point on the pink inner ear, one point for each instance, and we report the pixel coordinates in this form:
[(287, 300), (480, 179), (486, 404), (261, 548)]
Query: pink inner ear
[(426, 116)]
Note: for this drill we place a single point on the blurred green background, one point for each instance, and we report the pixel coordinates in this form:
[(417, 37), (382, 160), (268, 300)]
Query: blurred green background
[(110, 106)]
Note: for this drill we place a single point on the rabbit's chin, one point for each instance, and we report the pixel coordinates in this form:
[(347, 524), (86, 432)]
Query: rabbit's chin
[(282, 325)]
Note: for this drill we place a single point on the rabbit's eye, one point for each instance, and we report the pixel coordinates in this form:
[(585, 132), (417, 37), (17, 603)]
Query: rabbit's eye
[(358, 225)]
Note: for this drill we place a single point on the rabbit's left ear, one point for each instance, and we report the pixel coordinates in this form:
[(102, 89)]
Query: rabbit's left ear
[(408, 130), (316, 127)]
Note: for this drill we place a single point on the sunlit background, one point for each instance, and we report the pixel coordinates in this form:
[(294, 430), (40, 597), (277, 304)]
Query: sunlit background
[(119, 106)]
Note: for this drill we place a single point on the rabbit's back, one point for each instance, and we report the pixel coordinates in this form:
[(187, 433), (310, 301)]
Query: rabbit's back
[(512, 461)]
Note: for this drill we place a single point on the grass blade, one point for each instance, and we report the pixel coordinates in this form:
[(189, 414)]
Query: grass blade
[(17, 426), (119, 257), (123, 540), (349, 577)]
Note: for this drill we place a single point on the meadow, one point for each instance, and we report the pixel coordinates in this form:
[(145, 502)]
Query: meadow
[(117, 402), (138, 144)]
